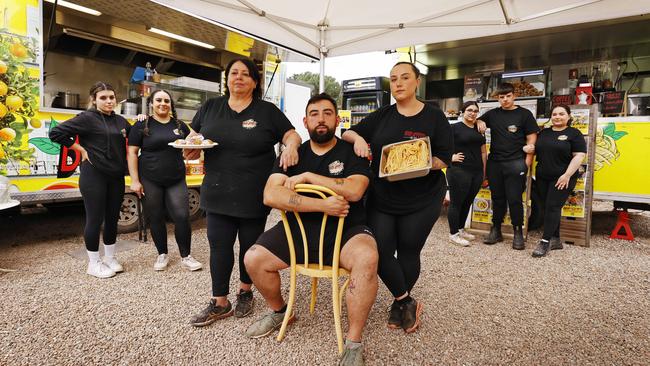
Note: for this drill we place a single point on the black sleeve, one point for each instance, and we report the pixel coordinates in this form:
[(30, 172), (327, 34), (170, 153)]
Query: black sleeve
[(442, 142), (578, 143), (198, 117), (184, 129), (530, 123), (278, 169), (486, 117), (368, 125), (64, 133), (127, 126), (136, 135), (280, 122), (358, 166)]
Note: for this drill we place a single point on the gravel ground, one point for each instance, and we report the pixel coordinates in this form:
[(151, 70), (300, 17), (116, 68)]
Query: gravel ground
[(483, 305)]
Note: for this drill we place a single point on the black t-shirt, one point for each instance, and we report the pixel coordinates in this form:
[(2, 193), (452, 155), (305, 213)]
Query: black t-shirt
[(468, 141), (508, 131), (159, 162), (555, 150), (237, 168), (386, 126), (339, 162)]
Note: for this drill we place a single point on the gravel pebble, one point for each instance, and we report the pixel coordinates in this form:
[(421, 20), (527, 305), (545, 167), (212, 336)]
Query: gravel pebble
[(482, 305)]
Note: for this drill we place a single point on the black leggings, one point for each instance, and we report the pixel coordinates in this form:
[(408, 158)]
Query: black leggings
[(507, 181), (102, 195), (407, 235), (464, 184), (222, 230), (174, 197), (553, 200)]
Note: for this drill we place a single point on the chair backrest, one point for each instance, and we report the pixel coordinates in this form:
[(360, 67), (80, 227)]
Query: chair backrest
[(323, 192)]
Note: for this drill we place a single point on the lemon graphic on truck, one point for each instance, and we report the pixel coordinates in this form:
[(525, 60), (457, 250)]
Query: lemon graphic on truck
[(606, 150)]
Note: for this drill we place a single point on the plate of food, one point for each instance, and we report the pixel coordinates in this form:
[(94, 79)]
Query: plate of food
[(193, 142)]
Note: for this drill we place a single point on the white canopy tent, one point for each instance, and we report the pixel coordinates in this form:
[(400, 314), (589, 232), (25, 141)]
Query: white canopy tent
[(322, 28)]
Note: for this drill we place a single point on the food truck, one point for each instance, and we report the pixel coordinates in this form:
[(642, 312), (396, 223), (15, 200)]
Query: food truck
[(50, 56)]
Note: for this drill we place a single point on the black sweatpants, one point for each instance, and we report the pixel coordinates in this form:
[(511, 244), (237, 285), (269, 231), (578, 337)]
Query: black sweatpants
[(507, 181), (102, 195), (406, 235), (553, 200), (175, 198), (222, 231), (464, 184)]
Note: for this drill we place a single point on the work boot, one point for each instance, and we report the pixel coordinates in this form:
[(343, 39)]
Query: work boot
[(494, 236), (556, 243), (542, 249), (518, 242)]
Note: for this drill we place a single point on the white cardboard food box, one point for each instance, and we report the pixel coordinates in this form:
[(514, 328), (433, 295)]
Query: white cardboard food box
[(407, 174)]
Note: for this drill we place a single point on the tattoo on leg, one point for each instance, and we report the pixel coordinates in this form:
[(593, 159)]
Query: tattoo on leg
[(339, 181), (295, 200), (253, 248), (351, 286)]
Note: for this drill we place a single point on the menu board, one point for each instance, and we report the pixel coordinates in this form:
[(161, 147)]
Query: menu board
[(613, 102), (580, 120), (473, 87), (562, 99), (575, 203)]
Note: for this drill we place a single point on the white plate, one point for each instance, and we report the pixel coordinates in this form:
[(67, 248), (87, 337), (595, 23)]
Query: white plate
[(188, 146)]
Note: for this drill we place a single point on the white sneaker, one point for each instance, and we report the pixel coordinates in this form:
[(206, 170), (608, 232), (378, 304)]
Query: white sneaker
[(161, 262), (98, 269), (190, 263), (465, 235), (456, 239), (113, 264)]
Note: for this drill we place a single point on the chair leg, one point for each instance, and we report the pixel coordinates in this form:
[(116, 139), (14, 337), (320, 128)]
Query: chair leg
[(342, 293), (336, 306), (314, 292), (290, 303)]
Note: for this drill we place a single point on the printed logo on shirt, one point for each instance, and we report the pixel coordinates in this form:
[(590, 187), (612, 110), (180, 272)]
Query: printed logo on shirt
[(562, 137), (249, 124), (336, 167), (512, 128), (413, 134), (177, 132)]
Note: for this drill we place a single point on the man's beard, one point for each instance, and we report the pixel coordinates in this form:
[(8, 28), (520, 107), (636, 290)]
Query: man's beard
[(321, 138)]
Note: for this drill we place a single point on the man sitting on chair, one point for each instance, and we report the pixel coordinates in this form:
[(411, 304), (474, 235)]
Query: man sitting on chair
[(327, 161)]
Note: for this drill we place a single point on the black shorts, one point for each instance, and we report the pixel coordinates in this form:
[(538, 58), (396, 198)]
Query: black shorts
[(275, 241)]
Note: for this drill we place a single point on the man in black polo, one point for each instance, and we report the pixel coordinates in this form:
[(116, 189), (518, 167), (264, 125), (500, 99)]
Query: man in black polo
[(327, 161), (513, 132)]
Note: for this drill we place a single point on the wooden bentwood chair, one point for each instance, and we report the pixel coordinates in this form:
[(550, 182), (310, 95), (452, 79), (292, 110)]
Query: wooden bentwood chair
[(316, 270)]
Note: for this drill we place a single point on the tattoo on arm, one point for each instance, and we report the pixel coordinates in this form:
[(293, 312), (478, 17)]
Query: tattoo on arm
[(339, 181), (295, 200)]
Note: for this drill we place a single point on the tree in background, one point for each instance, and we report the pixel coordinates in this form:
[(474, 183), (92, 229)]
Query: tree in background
[(332, 87)]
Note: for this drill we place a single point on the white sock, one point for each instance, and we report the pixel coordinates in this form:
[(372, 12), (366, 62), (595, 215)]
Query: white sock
[(109, 250), (93, 256)]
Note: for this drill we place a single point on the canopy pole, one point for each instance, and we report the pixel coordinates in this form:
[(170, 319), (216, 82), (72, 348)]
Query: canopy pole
[(323, 53)]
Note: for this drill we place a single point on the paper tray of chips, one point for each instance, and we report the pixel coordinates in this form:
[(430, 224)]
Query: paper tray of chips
[(421, 161)]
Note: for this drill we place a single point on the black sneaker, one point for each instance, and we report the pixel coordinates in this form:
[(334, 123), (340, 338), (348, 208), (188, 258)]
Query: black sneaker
[(411, 312), (395, 316), (211, 313), (541, 250), (556, 243), (244, 305)]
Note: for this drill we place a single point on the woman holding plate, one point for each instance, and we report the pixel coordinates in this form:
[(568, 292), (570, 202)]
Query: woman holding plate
[(402, 213), (158, 176), (246, 129)]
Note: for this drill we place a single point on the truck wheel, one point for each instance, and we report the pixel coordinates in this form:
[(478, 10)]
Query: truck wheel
[(195, 200), (128, 221)]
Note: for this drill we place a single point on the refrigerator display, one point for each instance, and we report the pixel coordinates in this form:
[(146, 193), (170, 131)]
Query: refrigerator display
[(364, 96)]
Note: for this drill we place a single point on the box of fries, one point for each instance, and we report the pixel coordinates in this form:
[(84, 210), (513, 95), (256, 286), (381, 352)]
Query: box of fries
[(405, 159)]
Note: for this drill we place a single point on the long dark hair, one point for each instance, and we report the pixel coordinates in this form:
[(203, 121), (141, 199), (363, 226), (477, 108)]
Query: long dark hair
[(96, 88), (568, 111), (145, 131), (253, 72)]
